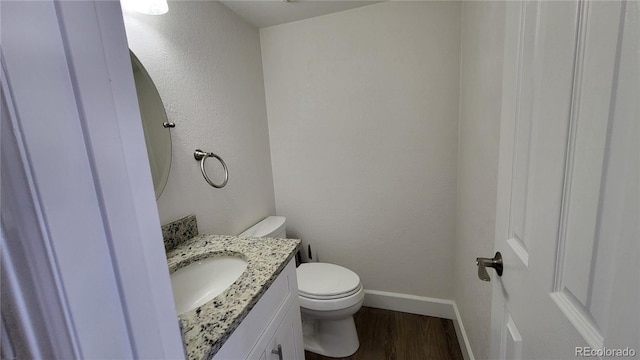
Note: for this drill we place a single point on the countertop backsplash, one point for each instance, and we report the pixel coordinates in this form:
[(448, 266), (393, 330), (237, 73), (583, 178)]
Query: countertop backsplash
[(179, 231)]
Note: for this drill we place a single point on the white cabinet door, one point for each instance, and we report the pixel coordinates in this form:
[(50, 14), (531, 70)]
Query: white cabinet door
[(567, 212), (287, 342)]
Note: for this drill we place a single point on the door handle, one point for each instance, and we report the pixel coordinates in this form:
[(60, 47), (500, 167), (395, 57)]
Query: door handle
[(484, 263), (278, 352)]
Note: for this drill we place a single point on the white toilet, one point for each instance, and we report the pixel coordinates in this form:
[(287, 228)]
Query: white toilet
[(329, 295)]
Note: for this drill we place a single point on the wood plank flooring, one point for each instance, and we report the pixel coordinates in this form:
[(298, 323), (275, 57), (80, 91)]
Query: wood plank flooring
[(392, 335)]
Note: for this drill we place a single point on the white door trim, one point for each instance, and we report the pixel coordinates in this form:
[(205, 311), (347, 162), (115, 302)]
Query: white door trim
[(77, 114)]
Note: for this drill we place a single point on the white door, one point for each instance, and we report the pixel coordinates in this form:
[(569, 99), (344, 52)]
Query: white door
[(567, 212)]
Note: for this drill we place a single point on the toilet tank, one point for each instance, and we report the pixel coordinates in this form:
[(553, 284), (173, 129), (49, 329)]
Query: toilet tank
[(272, 227)]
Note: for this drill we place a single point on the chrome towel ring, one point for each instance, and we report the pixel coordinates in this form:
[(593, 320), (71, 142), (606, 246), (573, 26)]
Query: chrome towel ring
[(201, 156)]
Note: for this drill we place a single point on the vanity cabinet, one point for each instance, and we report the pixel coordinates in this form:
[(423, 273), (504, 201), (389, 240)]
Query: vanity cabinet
[(285, 342), (272, 330)]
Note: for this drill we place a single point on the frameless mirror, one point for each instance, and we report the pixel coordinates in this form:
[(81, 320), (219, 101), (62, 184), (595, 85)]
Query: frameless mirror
[(155, 124)]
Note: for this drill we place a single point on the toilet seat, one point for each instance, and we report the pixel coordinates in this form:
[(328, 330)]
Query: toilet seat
[(328, 287), (337, 304), (329, 297), (322, 280)]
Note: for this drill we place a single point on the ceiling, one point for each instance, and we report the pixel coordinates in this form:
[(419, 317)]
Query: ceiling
[(263, 13)]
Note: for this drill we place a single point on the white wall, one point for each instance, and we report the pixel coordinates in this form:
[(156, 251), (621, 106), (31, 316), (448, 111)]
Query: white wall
[(480, 101), (362, 109), (206, 64)]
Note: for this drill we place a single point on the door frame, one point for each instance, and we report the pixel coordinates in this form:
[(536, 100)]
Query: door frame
[(78, 139)]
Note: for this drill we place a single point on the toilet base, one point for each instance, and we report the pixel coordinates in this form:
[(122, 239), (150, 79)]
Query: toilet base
[(332, 338)]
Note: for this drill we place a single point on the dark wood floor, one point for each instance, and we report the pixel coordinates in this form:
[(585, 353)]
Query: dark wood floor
[(392, 335)]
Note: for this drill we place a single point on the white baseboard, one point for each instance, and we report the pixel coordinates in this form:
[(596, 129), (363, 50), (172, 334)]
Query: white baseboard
[(463, 340), (410, 304), (421, 305)]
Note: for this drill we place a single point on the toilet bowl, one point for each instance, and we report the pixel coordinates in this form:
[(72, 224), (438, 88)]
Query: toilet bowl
[(329, 295)]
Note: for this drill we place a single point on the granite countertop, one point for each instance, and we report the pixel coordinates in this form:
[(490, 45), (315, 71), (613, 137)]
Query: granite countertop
[(206, 328)]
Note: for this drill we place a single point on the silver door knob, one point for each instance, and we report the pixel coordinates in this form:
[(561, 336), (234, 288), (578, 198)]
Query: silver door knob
[(484, 263)]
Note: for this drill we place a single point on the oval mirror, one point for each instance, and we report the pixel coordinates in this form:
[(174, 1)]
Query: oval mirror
[(156, 135)]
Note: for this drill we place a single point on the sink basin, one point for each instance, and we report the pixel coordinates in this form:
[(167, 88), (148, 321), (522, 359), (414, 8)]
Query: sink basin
[(197, 283)]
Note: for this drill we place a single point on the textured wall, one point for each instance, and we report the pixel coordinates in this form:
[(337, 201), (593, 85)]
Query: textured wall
[(480, 101), (363, 121), (206, 64)]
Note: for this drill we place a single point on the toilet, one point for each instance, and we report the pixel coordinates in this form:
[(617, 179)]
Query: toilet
[(329, 296)]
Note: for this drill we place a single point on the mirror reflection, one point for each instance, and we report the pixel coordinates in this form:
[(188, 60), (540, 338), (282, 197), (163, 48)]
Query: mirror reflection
[(155, 124)]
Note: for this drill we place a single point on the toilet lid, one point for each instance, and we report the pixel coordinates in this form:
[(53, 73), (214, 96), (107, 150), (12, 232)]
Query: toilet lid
[(321, 280)]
